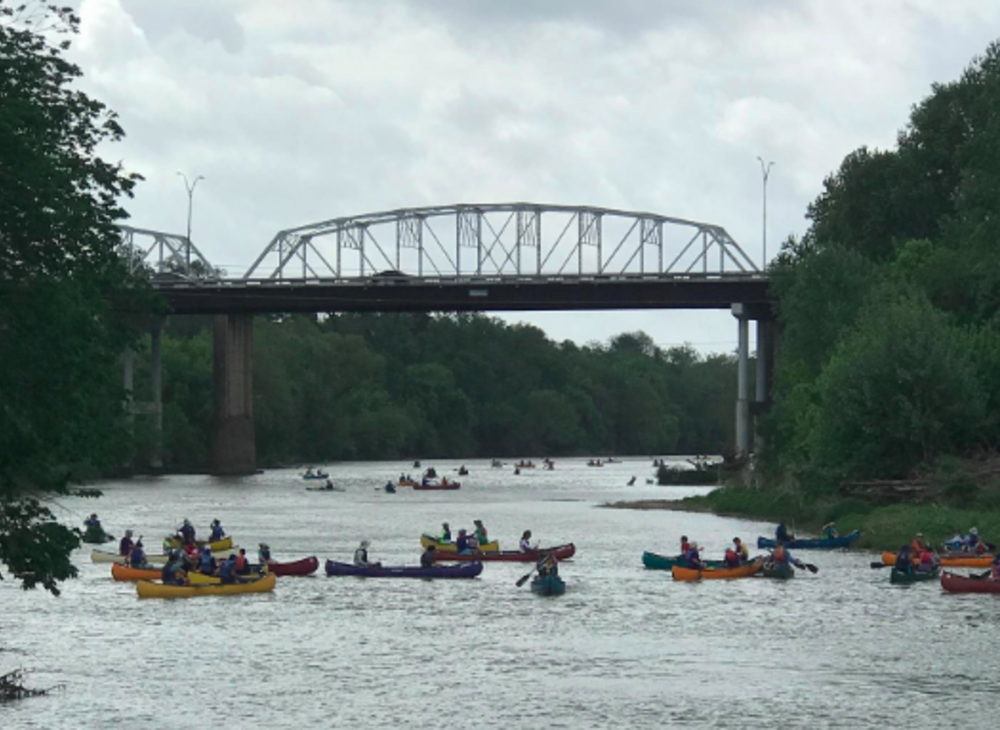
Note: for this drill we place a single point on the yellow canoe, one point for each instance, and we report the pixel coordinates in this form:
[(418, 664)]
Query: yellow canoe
[(963, 562), (449, 547), (224, 544), (744, 571), (149, 589)]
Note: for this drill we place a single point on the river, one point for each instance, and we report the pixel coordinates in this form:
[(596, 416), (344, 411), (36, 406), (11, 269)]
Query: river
[(624, 647)]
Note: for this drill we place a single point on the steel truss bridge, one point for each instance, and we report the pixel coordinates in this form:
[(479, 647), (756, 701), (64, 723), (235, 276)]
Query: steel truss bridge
[(490, 257)]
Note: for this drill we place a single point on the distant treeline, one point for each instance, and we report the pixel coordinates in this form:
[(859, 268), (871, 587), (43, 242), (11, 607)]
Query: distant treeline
[(405, 385)]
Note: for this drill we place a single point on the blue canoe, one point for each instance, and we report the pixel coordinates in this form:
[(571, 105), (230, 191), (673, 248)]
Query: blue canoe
[(550, 585), (463, 570), (820, 543)]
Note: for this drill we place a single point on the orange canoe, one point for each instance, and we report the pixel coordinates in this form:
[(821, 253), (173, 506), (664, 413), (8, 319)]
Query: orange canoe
[(744, 571), (123, 572), (982, 561)]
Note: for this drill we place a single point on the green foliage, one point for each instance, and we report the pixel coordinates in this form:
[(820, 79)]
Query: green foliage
[(61, 398)]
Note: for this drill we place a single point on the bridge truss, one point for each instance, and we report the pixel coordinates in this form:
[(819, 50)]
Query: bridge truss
[(507, 239), (163, 253)]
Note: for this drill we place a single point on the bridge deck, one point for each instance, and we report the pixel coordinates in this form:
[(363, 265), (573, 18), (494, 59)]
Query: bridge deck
[(465, 293)]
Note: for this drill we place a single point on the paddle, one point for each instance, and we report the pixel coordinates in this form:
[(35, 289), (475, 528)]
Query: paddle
[(880, 565), (808, 566), (524, 579)]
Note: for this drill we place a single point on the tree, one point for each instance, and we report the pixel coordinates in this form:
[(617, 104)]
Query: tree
[(63, 288)]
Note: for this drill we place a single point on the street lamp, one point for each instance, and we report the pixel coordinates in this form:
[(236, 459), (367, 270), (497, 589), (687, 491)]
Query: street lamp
[(765, 172), (189, 186)]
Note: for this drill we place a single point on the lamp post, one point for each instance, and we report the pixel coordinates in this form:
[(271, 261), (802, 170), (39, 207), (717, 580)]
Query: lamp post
[(189, 186), (765, 172)]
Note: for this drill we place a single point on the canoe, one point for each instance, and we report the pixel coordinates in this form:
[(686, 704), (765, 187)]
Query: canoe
[(443, 571), (561, 552), (123, 573), (954, 583), (820, 543), (406, 483), (449, 547), (325, 489), (982, 562), (224, 544), (96, 538), (663, 562), (781, 572), (150, 589), (304, 566), (744, 571), (898, 577), (438, 487), (320, 475), (107, 556), (550, 585)]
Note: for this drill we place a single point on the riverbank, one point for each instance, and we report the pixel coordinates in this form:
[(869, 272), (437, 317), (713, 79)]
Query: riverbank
[(882, 527)]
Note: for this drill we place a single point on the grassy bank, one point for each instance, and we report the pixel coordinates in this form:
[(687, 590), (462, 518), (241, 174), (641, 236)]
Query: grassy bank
[(882, 527)]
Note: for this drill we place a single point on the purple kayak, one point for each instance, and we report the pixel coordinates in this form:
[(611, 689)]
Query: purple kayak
[(463, 570)]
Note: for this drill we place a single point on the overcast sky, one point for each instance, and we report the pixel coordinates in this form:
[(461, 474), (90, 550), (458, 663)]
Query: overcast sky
[(302, 110)]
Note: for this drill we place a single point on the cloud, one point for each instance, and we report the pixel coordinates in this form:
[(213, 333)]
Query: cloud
[(297, 112)]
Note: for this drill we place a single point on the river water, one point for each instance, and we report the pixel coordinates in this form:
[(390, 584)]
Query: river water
[(624, 647)]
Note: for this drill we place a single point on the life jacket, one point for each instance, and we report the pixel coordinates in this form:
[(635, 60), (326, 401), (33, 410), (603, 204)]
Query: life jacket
[(360, 556), (226, 571), (264, 555), (169, 572), (445, 536), (218, 533), (980, 548), (137, 557), (917, 547), (187, 532), (241, 561), (732, 559), (926, 558), (685, 546), (481, 535), (462, 544), (205, 563)]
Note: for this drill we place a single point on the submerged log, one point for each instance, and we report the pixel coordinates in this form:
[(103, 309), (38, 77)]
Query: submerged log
[(11, 687)]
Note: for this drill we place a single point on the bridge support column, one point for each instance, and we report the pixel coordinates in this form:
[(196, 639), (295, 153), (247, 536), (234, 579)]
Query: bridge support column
[(234, 449), (156, 392), (128, 378), (743, 385), (765, 362)]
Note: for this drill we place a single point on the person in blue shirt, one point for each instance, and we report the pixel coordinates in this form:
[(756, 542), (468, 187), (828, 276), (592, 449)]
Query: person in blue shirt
[(227, 571), (781, 534), (692, 558), (206, 563), (782, 556), (126, 544), (263, 553), (217, 532), (137, 558), (462, 543), (187, 531), (172, 574)]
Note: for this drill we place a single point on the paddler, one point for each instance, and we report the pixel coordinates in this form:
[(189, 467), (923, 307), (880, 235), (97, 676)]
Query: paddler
[(995, 568), (445, 533), (547, 565), (525, 543), (242, 567), (427, 557), (172, 573), (206, 563), (361, 556), (462, 543), (187, 531), (263, 553), (732, 558), (781, 556), (829, 530), (217, 532), (685, 545), (227, 571), (904, 559), (781, 533), (741, 550), (919, 545), (126, 544), (481, 536), (137, 558), (692, 558)]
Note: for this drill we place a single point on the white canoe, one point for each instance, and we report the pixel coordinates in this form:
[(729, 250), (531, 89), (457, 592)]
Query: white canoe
[(109, 556)]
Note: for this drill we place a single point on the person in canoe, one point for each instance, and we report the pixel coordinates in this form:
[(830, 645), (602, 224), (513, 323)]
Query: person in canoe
[(428, 557), (217, 532), (829, 530), (732, 558), (691, 557), (242, 564), (631, 482), (781, 534), (547, 565), (481, 536), (95, 531), (137, 558), (191, 552), (328, 486), (173, 573), (390, 487), (904, 559), (186, 531), (685, 545), (206, 562), (995, 568), (517, 470), (445, 533), (781, 556), (927, 561), (462, 471), (227, 570), (525, 543), (741, 550), (361, 556), (973, 544), (263, 553), (462, 543), (125, 545)]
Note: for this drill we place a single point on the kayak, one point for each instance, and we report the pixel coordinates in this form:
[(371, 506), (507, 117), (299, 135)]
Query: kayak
[(550, 585), (560, 552), (96, 537), (150, 589), (889, 558), (224, 544), (449, 547), (744, 571), (781, 572), (438, 486), (916, 576), (954, 583), (819, 543), (663, 562), (370, 571), (325, 489), (107, 556), (123, 572)]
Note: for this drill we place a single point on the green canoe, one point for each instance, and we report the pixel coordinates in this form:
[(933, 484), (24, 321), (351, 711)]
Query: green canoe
[(662, 562), (782, 572), (914, 577), (550, 585)]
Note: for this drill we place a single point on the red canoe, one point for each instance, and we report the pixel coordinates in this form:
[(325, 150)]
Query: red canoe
[(954, 583), (305, 566), (449, 485), (561, 552)]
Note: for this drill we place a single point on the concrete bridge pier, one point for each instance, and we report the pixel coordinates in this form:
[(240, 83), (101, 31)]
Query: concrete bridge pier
[(746, 413), (742, 383), (234, 447)]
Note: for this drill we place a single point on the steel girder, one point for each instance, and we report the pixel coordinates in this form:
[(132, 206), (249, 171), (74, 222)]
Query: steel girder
[(163, 253)]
